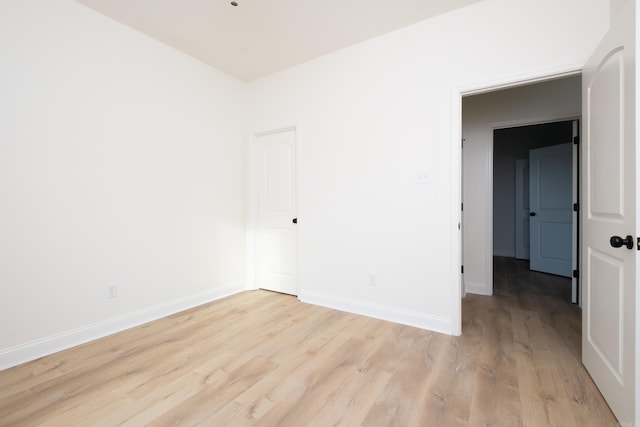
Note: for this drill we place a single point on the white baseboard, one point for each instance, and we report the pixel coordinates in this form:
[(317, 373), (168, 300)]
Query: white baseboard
[(19, 354), (477, 288), (392, 314)]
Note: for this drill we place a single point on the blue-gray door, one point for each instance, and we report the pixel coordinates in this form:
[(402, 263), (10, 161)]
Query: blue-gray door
[(551, 207)]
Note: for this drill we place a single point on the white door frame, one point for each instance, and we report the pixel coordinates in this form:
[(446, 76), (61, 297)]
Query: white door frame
[(252, 192), (456, 175)]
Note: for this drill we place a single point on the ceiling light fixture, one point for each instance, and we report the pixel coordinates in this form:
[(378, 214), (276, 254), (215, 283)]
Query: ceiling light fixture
[(234, 3)]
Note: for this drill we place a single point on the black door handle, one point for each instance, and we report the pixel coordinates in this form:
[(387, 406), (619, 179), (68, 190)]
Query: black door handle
[(295, 220), (617, 242), (532, 214)]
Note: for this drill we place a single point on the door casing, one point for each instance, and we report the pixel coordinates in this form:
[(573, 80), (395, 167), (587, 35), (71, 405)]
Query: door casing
[(534, 120), (457, 94)]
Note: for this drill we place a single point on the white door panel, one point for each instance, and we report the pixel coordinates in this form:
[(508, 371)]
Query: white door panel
[(277, 176), (604, 269), (605, 162), (609, 197)]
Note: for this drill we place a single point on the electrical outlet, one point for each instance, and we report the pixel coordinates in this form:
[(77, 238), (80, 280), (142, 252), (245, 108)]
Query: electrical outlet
[(112, 290), (373, 281)]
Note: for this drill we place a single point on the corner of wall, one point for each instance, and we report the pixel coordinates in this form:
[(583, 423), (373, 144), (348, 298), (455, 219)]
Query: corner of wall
[(391, 314), (477, 288)]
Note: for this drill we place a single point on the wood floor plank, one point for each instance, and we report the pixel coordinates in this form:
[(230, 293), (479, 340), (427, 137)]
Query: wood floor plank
[(317, 343), (156, 403), (317, 386), (202, 406), (265, 359), (496, 397), (542, 385), (414, 366)]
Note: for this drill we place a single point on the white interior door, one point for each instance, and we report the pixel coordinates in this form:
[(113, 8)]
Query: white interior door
[(522, 209), (609, 200), (551, 209), (276, 233)]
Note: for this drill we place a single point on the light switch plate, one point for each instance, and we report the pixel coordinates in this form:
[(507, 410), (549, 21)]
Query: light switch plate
[(423, 178)]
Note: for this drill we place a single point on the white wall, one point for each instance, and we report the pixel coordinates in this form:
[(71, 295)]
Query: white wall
[(481, 113), (121, 160), (373, 116)]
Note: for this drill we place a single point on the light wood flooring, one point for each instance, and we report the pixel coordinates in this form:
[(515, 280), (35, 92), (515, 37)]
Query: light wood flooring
[(266, 359)]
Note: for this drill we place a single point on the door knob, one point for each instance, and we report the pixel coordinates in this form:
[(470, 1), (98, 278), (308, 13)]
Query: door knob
[(532, 214), (294, 220), (617, 241)]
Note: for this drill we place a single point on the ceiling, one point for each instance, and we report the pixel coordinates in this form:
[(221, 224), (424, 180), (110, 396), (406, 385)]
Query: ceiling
[(260, 37)]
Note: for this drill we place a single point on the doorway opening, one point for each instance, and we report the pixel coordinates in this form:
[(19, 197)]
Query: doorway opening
[(537, 108), (535, 198), (529, 308)]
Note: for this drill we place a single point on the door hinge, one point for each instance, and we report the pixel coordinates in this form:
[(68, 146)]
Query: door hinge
[(461, 206), (462, 142), (462, 269), (575, 274), (576, 140), (638, 245), (576, 207)]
